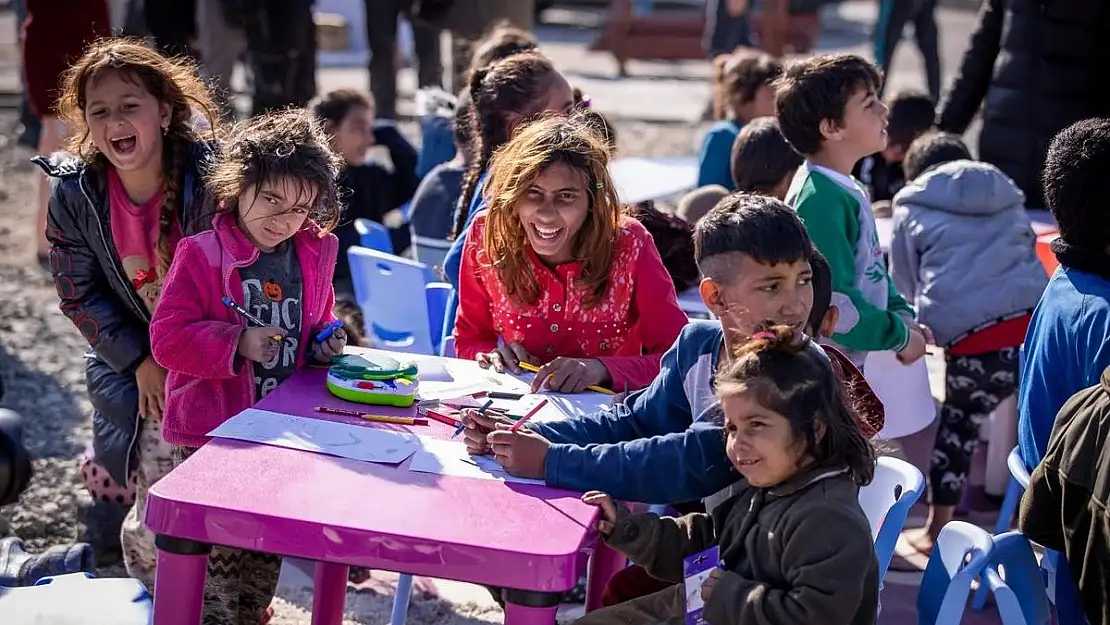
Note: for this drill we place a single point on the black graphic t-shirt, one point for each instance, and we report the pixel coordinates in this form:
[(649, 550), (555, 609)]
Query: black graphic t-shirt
[(272, 289)]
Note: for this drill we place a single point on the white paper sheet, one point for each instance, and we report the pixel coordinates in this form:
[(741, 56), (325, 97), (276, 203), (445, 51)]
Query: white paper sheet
[(442, 378), (450, 458), (904, 391), (317, 435), (559, 406)]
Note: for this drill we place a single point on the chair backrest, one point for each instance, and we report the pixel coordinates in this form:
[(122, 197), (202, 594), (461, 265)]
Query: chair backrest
[(960, 554), (372, 235), (447, 349), (431, 252), (391, 292), (1017, 468), (1014, 576), (438, 295), (886, 501)]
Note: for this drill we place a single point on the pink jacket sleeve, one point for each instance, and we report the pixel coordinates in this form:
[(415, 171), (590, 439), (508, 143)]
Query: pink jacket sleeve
[(183, 336), (474, 332), (659, 320)]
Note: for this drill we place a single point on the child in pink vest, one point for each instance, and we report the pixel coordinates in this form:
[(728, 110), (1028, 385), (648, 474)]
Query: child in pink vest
[(271, 253)]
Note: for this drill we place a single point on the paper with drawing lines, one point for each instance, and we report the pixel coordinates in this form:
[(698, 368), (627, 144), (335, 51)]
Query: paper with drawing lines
[(443, 378), (317, 435), (450, 458)]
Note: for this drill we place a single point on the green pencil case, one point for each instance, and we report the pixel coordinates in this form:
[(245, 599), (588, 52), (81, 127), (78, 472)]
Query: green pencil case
[(376, 380)]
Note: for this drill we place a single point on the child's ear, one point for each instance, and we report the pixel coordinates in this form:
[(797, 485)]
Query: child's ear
[(710, 293), (830, 129), (818, 430), (828, 324)]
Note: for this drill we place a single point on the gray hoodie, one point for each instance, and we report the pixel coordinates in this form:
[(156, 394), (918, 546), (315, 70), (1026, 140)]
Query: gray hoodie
[(963, 250)]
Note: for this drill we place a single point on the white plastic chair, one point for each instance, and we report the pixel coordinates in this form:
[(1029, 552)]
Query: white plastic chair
[(886, 501)]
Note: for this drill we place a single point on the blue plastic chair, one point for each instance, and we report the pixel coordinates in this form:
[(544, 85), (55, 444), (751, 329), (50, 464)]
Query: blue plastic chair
[(961, 553), (1014, 577), (438, 295), (431, 252), (398, 317), (886, 501), (373, 235), (447, 349)]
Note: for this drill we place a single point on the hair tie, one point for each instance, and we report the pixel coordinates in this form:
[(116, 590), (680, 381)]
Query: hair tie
[(585, 102), (770, 336)]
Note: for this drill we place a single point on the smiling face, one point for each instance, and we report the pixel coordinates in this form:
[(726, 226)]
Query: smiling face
[(125, 121), (759, 295), (274, 211), (760, 442), (354, 135), (552, 211)]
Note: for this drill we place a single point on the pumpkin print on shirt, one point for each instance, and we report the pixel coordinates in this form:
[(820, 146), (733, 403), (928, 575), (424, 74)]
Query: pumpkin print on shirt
[(272, 289)]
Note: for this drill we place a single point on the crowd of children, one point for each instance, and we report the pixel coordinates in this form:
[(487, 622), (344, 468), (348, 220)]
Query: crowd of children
[(757, 424)]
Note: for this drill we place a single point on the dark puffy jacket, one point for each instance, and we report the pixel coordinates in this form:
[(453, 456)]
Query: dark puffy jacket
[(99, 299), (1036, 66)]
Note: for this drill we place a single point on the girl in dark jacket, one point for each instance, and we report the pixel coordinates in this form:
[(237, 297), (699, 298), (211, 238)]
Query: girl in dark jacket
[(116, 213)]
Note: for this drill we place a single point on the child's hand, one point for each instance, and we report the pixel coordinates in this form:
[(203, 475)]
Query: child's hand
[(570, 375), (709, 583), (927, 333), (151, 380), (608, 510), (259, 344), (914, 349), (333, 346), (521, 453), (505, 357), (478, 427)]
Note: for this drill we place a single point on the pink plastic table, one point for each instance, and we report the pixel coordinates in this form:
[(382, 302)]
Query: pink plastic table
[(527, 539)]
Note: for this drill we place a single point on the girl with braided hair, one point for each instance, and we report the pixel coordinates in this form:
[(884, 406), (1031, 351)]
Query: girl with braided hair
[(503, 96), (129, 191)]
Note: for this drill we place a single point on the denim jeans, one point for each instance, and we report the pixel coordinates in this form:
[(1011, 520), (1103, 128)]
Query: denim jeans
[(723, 32)]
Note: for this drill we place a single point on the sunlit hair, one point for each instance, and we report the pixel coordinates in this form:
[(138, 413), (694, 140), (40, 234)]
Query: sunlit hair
[(783, 372), (172, 82), (284, 145), (573, 141)]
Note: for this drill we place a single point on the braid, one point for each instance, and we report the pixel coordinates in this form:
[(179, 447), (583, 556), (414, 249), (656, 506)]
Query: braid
[(170, 199), (480, 149)]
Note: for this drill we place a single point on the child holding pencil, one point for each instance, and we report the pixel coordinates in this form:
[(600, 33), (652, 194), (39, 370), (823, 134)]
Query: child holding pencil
[(556, 275), (271, 255)]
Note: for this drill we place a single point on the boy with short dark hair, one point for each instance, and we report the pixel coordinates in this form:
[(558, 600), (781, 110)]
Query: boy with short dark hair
[(762, 160), (911, 115), (828, 110), (1067, 346)]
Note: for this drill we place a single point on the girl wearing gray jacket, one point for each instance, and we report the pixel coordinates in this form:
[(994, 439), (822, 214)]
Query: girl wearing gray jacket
[(963, 252)]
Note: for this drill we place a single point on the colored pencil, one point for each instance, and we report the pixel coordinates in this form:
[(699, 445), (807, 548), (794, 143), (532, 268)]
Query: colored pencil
[(242, 312), (527, 366), (396, 420), (462, 426), (531, 413)]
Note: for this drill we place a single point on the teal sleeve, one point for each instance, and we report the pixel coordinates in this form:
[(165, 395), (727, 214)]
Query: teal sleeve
[(715, 159), (832, 222)]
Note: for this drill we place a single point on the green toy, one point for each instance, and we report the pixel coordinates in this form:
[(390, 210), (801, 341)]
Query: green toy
[(377, 380)]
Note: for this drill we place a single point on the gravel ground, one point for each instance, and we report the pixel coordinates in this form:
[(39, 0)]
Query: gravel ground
[(41, 364)]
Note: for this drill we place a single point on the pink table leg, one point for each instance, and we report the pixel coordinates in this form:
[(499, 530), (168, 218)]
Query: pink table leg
[(527, 615), (179, 588), (604, 564), (329, 597)]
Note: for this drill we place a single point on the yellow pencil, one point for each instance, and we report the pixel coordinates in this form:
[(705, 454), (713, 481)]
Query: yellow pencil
[(398, 420), (527, 366)]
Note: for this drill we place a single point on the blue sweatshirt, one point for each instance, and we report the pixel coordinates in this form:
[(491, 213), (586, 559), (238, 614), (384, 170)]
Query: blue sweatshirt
[(715, 158), (452, 262), (1067, 347), (661, 446)]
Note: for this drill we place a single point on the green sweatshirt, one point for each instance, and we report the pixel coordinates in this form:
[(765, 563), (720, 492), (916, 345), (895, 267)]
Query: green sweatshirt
[(837, 214)]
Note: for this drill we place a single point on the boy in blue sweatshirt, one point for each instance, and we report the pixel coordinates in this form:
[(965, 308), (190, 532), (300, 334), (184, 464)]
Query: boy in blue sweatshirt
[(661, 445), (1067, 346)]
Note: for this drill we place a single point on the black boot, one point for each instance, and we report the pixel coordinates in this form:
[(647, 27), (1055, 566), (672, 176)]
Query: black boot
[(19, 568)]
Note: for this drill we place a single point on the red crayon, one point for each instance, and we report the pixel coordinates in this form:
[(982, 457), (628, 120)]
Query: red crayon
[(531, 413)]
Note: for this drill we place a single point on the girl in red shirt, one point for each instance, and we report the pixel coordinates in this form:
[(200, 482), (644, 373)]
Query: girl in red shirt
[(555, 273)]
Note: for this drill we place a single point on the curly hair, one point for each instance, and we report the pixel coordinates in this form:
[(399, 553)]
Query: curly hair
[(787, 375), (738, 76), (287, 145), (173, 82), (572, 141)]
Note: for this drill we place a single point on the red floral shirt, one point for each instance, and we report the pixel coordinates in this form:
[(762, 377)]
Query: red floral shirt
[(637, 319)]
